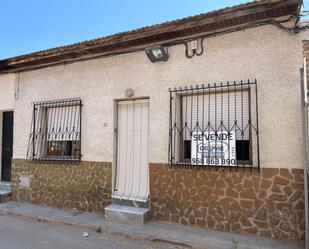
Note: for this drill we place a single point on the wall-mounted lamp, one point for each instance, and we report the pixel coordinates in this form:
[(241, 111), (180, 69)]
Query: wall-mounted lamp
[(157, 53), (129, 92)]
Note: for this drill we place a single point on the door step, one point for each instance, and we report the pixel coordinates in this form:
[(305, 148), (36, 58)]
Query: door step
[(5, 197), (5, 191), (126, 213)]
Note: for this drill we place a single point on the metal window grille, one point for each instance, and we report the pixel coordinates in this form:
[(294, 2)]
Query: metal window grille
[(214, 125), (56, 131)]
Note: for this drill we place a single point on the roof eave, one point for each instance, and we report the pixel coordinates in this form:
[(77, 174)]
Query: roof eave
[(158, 34)]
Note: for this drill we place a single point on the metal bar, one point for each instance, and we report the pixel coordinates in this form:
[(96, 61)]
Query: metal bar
[(80, 129), (235, 119), (242, 122), (116, 134), (216, 129), (305, 144), (186, 118), (221, 119), (191, 104), (170, 130), (175, 124), (212, 87), (257, 124), (33, 141), (197, 123), (228, 119), (208, 121), (203, 122)]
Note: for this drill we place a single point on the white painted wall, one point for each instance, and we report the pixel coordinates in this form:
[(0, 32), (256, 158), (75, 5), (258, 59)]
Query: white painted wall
[(7, 90), (268, 54)]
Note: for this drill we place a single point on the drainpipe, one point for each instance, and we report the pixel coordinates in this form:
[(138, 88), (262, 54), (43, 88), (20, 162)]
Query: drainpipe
[(305, 143)]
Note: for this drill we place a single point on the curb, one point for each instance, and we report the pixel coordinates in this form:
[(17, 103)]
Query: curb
[(48, 220), (129, 235)]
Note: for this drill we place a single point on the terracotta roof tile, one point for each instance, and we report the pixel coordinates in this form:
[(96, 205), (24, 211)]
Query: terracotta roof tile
[(176, 29)]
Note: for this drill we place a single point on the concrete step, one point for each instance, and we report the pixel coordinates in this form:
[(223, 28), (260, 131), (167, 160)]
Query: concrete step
[(5, 186), (5, 198), (126, 213), (5, 192)]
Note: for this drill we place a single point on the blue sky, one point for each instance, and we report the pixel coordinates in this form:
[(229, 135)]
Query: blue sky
[(31, 25)]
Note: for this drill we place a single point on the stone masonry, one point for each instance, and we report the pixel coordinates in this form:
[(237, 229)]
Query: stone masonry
[(85, 185), (267, 203)]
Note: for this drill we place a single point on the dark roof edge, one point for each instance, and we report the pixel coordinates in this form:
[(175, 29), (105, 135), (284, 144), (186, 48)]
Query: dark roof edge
[(239, 15)]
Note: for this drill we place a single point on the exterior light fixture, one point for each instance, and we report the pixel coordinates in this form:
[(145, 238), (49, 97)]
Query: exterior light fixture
[(129, 92), (157, 53)]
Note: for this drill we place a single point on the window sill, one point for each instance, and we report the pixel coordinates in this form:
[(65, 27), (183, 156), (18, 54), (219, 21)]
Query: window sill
[(239, 165), (56, 160)]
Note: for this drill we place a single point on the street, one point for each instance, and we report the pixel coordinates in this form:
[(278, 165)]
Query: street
[(18, 233)]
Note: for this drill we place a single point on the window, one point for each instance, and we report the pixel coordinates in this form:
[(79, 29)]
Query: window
[(214, 125), (56, 131), (63, 148)]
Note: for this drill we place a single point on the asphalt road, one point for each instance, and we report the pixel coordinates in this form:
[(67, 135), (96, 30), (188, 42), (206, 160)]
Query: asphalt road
[(17, 233)]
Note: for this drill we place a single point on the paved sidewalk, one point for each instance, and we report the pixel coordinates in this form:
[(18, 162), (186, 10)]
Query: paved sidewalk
[(183, 235), (18, 233)]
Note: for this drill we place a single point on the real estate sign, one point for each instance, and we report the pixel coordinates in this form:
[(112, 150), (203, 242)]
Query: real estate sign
[(213, 148)]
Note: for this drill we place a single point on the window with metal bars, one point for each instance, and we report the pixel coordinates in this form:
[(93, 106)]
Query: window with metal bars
[(56, 131), (214, 125)]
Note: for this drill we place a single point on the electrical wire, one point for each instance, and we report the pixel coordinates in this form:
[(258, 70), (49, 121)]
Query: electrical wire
[(273, 22)]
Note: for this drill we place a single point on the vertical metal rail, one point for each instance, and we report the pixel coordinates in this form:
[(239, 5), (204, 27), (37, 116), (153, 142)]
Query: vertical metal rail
[(305, 144), (257, 124), (33, 136), (80, 130), (170, 152), (116, 138)]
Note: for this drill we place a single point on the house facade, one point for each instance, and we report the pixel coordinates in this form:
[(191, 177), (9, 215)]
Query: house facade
[(210, 136)]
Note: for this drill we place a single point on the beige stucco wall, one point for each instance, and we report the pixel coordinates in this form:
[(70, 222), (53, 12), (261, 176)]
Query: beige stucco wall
[(268, 54), (7, 90)]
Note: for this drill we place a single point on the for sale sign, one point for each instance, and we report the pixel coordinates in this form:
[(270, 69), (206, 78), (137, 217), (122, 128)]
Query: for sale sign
[(213, 148)]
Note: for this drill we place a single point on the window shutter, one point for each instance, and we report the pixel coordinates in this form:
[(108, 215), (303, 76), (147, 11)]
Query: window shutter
[(217, 112), (63, 123)]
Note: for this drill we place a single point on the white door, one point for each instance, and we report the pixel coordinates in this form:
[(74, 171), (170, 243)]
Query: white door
[(132, 177)]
